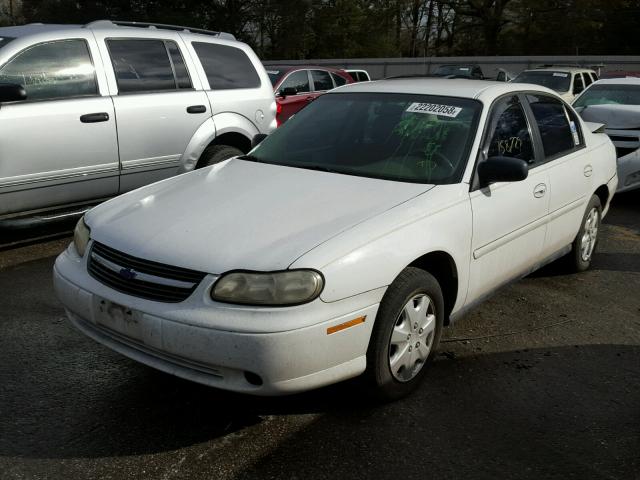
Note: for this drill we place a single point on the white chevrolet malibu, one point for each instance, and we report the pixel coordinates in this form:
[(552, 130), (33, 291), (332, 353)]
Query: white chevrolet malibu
[(344, 242)]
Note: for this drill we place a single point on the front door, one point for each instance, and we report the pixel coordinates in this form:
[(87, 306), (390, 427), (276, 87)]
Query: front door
[(509, 218), (58, 146)]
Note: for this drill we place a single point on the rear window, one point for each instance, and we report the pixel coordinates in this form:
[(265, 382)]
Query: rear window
[(226, 67), (558, 81)]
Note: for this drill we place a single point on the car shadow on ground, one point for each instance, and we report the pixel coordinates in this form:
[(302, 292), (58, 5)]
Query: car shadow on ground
[(523, 414)]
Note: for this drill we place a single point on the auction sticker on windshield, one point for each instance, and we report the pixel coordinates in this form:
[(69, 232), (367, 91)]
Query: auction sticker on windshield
[(435, 109)]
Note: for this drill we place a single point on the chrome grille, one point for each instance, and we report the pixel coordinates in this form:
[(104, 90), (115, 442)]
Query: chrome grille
[(141, 278)]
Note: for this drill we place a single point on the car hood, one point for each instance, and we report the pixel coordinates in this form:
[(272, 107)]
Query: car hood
[(241, 215), (616, 117)]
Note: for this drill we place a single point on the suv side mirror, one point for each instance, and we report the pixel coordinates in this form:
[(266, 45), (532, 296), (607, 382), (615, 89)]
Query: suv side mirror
[(288, 92), (502, 169), (12, 92), (257, 139)]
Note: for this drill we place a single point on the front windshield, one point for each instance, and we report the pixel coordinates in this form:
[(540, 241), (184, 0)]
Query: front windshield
[(4, 41), (412, 138), (459, 70), (558, 81), (609, 94)]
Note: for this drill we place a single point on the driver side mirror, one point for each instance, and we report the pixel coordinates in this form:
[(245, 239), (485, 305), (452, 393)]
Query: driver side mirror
[(12, 92), (502, 169), (288, 92)]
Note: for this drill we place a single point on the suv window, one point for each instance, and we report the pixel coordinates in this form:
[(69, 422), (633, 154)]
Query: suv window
[(321, 80), (510, 137), (587, 79), (141, 65), (298, 80), (338, 80), (559, 129), (578, 84), (226, 67), (59, 69)]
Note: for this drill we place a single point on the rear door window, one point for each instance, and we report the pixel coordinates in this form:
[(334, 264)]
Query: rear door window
[(559, 128), (587, 79), (338, 80), (141, 65), (226, 67), (47, 71), (321, 80), (179, 68), (578, 84)]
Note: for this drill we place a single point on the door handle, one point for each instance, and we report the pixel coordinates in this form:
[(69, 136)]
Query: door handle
[(95, 117), (540, 190), (196, 109)]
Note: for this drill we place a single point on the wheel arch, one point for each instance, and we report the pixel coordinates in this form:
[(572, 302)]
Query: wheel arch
[(443, 267), (602, 192)]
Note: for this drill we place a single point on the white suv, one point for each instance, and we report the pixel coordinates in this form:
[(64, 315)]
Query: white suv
[(383, 211), (88, 112), (568, 82)]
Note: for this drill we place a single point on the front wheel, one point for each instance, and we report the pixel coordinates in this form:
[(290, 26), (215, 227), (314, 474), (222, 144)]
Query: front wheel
[(406, 334), (585, 242)]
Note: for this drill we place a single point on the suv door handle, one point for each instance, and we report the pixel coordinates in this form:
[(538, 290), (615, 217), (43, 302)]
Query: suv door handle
[(540, 190), (196, 109), (95, 117)]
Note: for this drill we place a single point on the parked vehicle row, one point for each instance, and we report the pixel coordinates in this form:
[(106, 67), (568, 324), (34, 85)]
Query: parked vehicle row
[(92, 111)]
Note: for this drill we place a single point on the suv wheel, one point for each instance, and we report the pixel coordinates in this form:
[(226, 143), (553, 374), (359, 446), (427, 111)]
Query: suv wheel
[(406, 333), (585, 242), (216, 154)]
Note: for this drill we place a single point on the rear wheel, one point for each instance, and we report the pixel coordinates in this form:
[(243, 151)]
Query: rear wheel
[(406, 334), (216, 154), (586, 241)]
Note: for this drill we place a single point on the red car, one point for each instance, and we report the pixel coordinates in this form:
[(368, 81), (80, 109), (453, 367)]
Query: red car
[(296, 86)]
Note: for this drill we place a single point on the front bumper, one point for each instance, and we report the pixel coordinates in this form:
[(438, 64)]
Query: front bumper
[(264, 355)]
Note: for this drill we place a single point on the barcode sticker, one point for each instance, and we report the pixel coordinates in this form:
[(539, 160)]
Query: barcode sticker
[(434, 109)]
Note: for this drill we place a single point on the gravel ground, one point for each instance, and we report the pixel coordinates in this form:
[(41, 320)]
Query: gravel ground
[(541, 381)]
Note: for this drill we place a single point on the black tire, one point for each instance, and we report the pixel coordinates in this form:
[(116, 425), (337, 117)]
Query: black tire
[(216, 154), (411, 282), (577, 262)]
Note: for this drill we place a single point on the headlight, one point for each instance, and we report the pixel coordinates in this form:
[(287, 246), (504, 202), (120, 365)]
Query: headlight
[(290, 287), (81, 236)]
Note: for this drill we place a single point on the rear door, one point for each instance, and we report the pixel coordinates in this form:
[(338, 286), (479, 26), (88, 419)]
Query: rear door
[(159, 104), (569, 165), (509, 218), (59, 146)]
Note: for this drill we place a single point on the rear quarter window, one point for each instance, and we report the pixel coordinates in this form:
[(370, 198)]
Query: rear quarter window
[(226, 67)]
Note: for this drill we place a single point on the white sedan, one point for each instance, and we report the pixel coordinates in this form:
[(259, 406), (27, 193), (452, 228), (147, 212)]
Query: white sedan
[(615, 103), (346, 240)]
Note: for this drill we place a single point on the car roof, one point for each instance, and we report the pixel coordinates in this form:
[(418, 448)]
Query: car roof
[(619, 81), (124, 27), (474, 89), (560, 69)]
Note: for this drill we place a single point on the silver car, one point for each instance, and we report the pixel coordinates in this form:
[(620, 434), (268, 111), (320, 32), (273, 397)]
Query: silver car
[(89, 112)]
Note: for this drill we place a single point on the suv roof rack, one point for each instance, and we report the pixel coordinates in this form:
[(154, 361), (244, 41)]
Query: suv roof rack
[(163, 26)]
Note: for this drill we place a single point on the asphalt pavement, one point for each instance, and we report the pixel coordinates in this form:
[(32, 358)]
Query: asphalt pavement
[(540, 382)]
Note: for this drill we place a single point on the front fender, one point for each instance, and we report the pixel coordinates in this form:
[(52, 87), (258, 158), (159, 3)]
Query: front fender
[(212, 128)]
